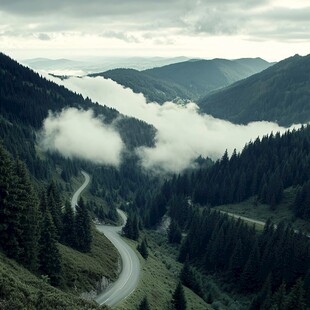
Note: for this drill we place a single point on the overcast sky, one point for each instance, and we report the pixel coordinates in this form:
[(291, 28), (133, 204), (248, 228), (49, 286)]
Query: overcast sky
[(271, 29)]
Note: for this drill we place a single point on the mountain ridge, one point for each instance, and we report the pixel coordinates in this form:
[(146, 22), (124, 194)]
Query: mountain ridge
[(278, 94)]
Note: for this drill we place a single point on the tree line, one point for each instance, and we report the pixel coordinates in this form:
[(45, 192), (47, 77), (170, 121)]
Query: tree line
[(31, 227)]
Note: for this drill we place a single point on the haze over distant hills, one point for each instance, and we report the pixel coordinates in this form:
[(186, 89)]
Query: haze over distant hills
[(88, 65), (188, 79), (280, 94)]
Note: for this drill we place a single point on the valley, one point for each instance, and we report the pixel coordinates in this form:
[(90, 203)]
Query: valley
[(151, 160)]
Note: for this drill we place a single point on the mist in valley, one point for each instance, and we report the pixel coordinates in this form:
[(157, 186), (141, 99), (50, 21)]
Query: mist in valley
[(183, 134)]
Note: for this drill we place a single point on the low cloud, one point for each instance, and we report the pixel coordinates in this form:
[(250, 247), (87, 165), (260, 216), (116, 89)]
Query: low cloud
[(182, 133), (77, 133)]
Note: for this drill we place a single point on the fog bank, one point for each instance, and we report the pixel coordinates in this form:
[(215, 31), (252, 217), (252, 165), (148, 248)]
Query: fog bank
[(183, 134), (76, 133)]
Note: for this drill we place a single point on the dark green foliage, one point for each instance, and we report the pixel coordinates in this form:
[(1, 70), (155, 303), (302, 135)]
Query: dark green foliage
[(55, 206), (142, 248), (19, 214), (82, 228), (68, 232), (250, 281), (302, 202), (131, 229), (279, 298), (245, 259), (174, 233), (50, 261), (144, 305), (264, 168), (30, 219), (296, 298), (10, 210), (178, 298), (280, 93), (190, 278)]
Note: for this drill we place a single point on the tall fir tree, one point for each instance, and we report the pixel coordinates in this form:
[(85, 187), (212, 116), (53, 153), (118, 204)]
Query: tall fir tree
[(144, 305), (178, 298), (30, 219), (68, 231), (10, 210), (50, 260), (82, 228)]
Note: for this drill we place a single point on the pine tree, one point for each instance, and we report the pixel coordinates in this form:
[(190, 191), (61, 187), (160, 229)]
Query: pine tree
[(82, 226), (296, 298), (178, 298), (279, 298), (50, 261), (68, 232), (142, 248), (30, 218), (144, 305), (236, 262), (55, 206), (249, 281), (174, 232), (10, 210)]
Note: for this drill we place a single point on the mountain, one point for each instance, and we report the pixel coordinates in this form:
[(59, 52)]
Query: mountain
[(186, 80), (280, 94), (88, 65), (199, 77), (32, 230), (154, 89)]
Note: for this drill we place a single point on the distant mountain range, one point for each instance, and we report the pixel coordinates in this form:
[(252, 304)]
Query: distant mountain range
[(189, 79), (87, 65), (280, 94)]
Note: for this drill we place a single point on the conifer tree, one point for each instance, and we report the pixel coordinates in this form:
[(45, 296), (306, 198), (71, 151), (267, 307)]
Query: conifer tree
[(50, 261), (178, 298), (279, 298), (55, 206), (144, 305), (10, 210), (68, 231), (30, 218), (249, 281), (83, 236), (142, 248), (174, 232), (296, 298)]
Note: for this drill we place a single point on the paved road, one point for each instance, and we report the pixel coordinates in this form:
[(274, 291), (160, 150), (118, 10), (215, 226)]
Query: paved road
[(244, 218), (76, 195), (129, 276)]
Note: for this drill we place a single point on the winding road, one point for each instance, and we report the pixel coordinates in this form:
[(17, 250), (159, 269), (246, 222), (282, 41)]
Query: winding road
[(129, 276)]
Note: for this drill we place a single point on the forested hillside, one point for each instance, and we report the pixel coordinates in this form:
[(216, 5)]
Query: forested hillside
[(187, 80), (154, 89), (202, 76), (271, 268), (280, 94), (37, 226)]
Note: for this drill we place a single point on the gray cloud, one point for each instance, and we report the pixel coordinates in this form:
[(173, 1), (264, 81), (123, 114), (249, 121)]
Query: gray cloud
[(121, 36), (44, 37), (76, 133), (213, 17)]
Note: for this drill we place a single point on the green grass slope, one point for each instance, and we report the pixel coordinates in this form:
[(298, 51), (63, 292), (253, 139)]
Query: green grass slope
[(20, 290), (280, 94)]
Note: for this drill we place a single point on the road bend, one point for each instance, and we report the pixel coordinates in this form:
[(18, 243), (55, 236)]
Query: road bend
[(129, 276)]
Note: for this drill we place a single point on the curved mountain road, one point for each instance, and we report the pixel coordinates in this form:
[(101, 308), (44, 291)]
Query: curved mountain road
[(129, 276)]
